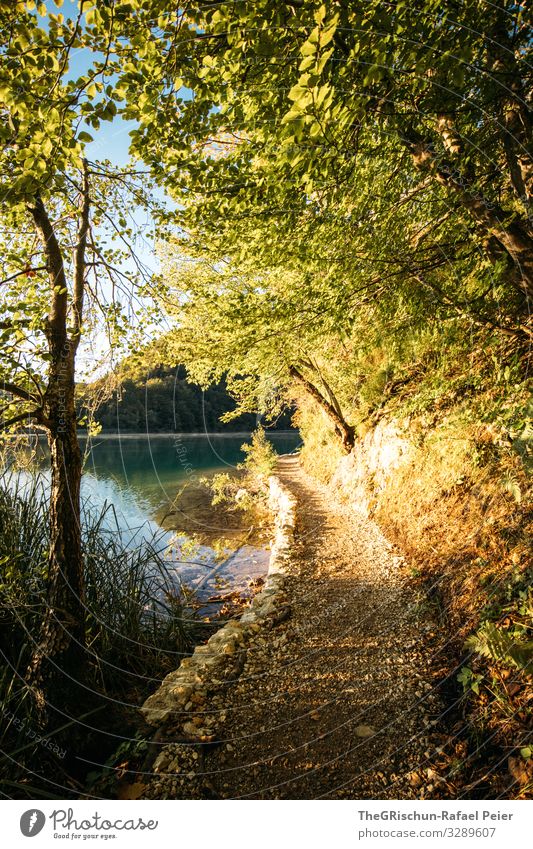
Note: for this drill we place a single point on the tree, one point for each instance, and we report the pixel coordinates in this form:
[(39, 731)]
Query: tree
[(240, 328), (345, 165), (66, 238), (337, 81)]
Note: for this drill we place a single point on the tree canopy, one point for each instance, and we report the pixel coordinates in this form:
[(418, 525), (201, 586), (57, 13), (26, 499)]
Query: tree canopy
[(349, 177)]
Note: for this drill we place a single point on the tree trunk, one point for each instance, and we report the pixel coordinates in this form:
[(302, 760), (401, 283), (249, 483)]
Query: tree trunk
[(514, 113), (344, 431), (58, 661)]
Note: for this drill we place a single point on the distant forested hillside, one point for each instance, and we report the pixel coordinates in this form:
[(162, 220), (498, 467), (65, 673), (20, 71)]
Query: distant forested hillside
[(161, 400)]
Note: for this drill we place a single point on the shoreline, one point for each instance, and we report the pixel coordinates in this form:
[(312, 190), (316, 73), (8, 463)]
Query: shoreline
[(144, 435), (195, 434)]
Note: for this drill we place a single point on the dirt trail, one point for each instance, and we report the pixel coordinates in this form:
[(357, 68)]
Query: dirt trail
[(334, 702)]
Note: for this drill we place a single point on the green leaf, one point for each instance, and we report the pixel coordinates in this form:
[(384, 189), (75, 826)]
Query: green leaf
[(295, 92), (328, 33), (323, 60)]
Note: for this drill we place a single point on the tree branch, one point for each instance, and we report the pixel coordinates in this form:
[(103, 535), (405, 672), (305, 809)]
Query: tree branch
[(56, 270), (344, 431), (18, 392), (508, 229), (79, 257), (20, 273), (33, 414)]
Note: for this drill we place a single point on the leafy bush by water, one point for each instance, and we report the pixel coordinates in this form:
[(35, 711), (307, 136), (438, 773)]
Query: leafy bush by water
[(260, 455)]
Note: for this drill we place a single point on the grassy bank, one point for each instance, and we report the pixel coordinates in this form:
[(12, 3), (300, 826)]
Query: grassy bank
[(457, 503), (139, 624), (137, 631)]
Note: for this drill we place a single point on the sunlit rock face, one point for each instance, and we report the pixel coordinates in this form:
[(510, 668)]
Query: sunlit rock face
[(364, 473)]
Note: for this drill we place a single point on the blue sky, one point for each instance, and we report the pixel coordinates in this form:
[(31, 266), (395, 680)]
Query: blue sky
[(111, 142)]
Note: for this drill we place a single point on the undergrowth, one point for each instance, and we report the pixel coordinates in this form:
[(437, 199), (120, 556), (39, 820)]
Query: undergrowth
[(459, 509), (245, 490)]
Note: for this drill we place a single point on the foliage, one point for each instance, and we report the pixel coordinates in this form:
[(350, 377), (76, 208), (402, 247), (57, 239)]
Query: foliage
[(502, 647), (347, 208), (85, 206), (261, 456), (353, 230), (470, 680), (224, 488)]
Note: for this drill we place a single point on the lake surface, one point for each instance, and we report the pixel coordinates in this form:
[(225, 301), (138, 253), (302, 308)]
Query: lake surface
[(149, 470), (137, 476)]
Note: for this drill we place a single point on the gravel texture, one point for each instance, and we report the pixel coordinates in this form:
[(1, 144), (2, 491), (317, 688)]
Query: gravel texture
[(335, 701)]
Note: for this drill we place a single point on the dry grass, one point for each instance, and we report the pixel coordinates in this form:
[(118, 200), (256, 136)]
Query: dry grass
[(451, 511)]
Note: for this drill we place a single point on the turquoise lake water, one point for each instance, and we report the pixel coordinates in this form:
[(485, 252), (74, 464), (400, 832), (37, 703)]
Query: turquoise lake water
[(149, 470), (137, 476)]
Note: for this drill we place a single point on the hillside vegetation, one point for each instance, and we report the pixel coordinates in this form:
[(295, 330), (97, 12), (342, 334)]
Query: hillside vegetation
[(158, 399), (148, 393)]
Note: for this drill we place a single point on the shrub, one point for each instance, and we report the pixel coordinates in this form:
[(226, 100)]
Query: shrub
[(260, 455)]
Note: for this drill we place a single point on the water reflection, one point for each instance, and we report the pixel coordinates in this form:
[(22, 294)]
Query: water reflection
[(133, 478)]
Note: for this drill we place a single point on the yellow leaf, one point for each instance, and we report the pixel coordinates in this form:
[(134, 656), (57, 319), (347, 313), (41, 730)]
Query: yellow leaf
[(320, 14)]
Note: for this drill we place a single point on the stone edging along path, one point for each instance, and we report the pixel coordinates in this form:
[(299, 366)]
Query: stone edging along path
[(222, 658), (337, 700)]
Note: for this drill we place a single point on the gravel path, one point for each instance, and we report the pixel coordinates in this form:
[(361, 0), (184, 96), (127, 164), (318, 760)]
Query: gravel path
[(333, 702)]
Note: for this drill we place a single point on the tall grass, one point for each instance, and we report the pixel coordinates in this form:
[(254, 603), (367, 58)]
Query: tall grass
[(138, 627)]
